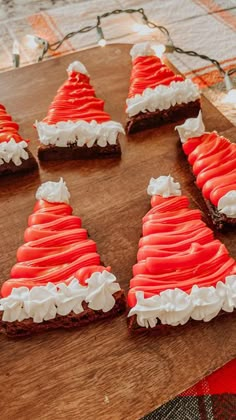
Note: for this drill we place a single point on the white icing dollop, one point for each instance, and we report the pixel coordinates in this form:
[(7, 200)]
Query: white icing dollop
[(12, 306), (101, 287), (142, 49), (174, 307), (77, 67), (227, 204), (227, 292), (13, 151), (70, 298), (53, 192), (162, 97), (164, 186), (206, 303), (42, 303), (146, 310), (80, 133), (192, 127)]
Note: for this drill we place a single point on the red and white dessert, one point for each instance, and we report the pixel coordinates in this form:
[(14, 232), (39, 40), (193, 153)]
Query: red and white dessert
[(182, 272), (58, 280), (14, 153), (213, 161), (156, 94), (76, 124)]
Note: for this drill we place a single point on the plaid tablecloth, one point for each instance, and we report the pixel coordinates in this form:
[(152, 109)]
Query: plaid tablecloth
[(206, 26), (213, 398)]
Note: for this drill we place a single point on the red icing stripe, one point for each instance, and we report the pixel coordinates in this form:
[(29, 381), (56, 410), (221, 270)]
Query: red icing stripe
[(75, 100), (177, 250), (57, 248), (213, 160), (8, 128), (150, 72)]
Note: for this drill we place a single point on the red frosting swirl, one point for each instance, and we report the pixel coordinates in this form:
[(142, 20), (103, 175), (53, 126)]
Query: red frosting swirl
[(150, 72), (177, 250), (75, 100), (57, 249), (8, 128), (204, 154)]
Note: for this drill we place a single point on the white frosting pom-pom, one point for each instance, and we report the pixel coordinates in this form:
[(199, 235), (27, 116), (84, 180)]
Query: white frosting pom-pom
[(142, 49), (77, 67), (227, 204), (164, 186), (192, 127), (53, 192)]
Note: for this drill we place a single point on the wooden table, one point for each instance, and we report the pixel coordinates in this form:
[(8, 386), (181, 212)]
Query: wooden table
[(101, 372)]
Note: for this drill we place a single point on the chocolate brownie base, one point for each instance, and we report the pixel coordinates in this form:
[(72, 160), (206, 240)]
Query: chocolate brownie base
[(220, 220), (147, 120), (11, 168), (73, 151), (72, 320)]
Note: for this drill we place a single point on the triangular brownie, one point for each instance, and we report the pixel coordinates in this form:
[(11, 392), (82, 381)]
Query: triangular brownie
[(182, 272), (76, 126), (213, 161), (15, 155), (58, 280), (156, 94)]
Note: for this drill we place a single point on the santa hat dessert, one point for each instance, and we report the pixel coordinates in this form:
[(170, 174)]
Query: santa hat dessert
[(14, 153), (58, 280), (156, 94), (182, 272), (213, 161), (76, 125)]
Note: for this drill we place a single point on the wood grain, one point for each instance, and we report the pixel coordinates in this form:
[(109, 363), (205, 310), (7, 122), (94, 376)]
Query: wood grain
[(101, 372)]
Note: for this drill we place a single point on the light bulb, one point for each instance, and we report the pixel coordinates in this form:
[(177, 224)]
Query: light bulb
[(101, 39), (102, 42), (230, 97), (159, 49), (34, 42), (142, 29)]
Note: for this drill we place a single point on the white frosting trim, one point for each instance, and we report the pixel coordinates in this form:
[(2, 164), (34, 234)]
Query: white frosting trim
[(192, 127), (142, 49), (164, 186), (162, 97), (44, 302), (53, 192), (79, 132), (174, 306), (13, 151), (227, 204), (78, 67)]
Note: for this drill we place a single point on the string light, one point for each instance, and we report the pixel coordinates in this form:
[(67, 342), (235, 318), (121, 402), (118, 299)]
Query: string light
[(143, 29), (101, 39), (37, 43), (34, 42), (169, 42)]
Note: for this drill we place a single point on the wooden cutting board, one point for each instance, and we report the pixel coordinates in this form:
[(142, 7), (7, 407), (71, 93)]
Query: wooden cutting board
[(101, 372)]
